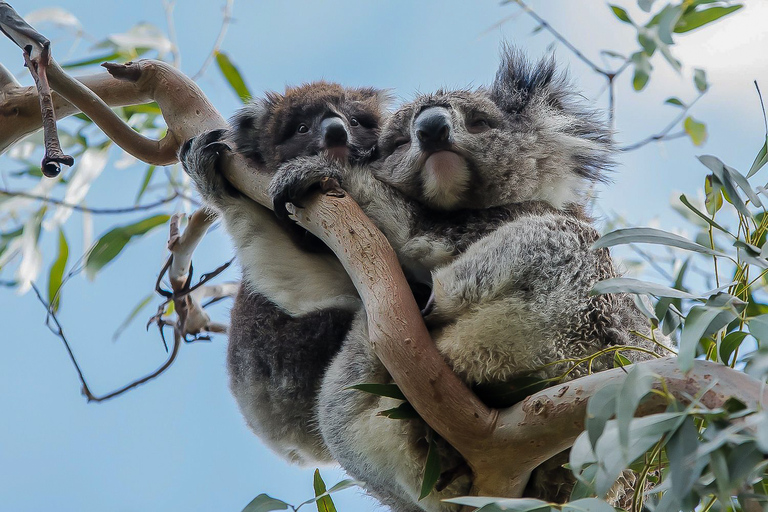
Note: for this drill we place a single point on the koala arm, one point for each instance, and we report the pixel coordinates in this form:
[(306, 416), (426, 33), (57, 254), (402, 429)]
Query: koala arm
[(273, 265)]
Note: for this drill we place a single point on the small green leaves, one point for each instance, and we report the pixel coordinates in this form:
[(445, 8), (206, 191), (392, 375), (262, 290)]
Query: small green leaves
[(233, 76), (696, 130), (388, 390), (56, 274), (700, 80), (432, 467), (113, 242), (621, 14), (674, 101)]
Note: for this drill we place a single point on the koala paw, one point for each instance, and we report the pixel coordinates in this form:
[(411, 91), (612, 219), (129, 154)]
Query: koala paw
[(297, 178), (200, 156)]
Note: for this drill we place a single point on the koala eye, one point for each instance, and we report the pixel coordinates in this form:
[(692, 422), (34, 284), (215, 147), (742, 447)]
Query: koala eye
[(401, 141), (478, 125), (302, 128), (353, 121)]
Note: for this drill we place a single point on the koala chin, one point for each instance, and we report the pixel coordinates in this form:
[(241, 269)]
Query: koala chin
[(296, 302), (480, 192)]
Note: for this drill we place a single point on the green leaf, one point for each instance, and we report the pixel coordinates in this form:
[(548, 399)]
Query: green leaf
[(404, 411), (645, 5), (506, 394), (324, 502), (695, 19), (675, 101), (621, 14), (388, 390), (233, 76), (684, 467), (696, 131), (488, 504), (588, 505), (703, 217), (110, 245), (56, 274), (730, 343), (713, 193), (701, 321), (760, 160), (700, 80), (636, 385), (730, 178), (264, 503), (630, 285), (132, 315), (432, 468), (758, 327), (666, 21), (144, 183), (90, 61), (652, 236), (600, 408), (643, 70)]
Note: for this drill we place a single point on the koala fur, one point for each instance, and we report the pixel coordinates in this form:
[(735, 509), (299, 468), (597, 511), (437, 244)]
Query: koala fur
[(512, 299), (285, 326)]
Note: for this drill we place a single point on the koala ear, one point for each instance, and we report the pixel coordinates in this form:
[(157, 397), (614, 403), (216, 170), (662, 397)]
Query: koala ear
[(386, 99), (518, 82), (249, 127)]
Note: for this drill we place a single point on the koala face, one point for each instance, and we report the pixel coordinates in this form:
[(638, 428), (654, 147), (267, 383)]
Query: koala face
[(524, 138), (310, 119)]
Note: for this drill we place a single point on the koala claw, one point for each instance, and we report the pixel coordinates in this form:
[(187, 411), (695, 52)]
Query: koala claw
[(430, 306), (295, 180)]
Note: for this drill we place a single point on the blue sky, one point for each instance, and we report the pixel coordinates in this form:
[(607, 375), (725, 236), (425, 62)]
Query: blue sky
[(179, 443)]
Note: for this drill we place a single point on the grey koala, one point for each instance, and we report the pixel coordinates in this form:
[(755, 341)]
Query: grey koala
[(285, 325), (512, 299)]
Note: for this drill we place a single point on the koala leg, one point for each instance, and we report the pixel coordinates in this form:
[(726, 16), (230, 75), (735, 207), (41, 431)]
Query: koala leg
[(387, 454), (276, 363)]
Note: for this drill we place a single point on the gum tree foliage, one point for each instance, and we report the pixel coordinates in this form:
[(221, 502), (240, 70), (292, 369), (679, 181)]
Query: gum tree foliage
[(688, 457)]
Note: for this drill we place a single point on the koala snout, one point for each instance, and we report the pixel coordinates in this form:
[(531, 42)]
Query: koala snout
[(433, 129), (334, 132)]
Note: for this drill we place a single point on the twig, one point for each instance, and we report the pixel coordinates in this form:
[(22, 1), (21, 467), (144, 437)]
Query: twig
[(168, 6), (97, 211), (225, 21), (58, 331), (663, 134)]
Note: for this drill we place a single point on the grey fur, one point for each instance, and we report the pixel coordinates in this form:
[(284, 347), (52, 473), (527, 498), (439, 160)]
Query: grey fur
[(511, 297)]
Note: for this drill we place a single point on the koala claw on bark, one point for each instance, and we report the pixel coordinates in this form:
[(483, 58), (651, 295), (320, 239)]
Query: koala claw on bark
[(295, 179)]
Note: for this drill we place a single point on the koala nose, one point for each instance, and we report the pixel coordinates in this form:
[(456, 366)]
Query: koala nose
[(433, 129), (334, 132)]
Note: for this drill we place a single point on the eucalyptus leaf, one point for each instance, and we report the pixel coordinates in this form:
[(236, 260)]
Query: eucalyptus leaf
[(56, 274), (621, 14), (701, 321), (432, 468), (388, 390), (697, 131), (652, 236), (600, 408), (404, 411), (488, 504), (643, 70), (233, 76), (758, 327), (323, 501), (264, 503), (698, 18), (587, 505), (631, 285), (730, 343), (704, 217), (636, 385), (700, 80)]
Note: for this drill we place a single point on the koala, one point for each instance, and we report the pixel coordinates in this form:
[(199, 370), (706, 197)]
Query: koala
[(511, 297), (296, 302)]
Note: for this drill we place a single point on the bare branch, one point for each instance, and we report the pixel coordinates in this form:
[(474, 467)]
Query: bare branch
[(182, 245), (103, 211), (58, 331), (225, 21), (7, 80), (168, 6), (664, 134)]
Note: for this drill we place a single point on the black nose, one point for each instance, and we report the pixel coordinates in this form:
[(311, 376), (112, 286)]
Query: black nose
[(433, 128), (334, 132)]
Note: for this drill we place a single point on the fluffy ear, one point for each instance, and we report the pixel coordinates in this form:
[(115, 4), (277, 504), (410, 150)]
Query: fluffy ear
[(249, 128), (519, 82)]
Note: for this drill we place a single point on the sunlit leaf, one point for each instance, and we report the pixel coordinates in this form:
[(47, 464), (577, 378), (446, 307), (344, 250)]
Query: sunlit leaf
[(760, 160), (233, 76), (713, 194), (730, 343), (643, 70), (696, 130), (697, 18), (56, 274), (110, 245), (621, 14), (675, 101), (703, 217), (324, 502)]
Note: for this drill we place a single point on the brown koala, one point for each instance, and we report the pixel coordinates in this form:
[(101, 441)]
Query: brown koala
[(285, 326)]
